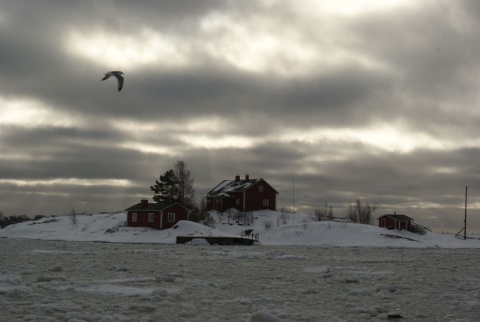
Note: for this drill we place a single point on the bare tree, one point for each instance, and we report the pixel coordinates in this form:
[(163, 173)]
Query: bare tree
[(201, 215), (361, 213), (183, 175), (325, 213), (267, 224), (284, 216)]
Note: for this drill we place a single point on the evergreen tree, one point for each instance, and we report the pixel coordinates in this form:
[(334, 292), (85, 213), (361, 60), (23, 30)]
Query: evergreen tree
[(166, 190), (175, 186)]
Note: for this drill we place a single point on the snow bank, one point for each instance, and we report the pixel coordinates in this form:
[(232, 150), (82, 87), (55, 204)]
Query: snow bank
[(299, 230)]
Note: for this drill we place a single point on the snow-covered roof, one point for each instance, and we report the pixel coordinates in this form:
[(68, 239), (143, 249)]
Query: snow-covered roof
[(401, 218), (226, 187), (151, 206)]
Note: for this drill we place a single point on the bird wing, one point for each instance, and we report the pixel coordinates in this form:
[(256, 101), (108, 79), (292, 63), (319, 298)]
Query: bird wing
[(120, 81), (107, 75)]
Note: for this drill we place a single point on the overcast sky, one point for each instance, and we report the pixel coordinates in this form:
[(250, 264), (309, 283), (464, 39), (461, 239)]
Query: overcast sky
[(377, 100)]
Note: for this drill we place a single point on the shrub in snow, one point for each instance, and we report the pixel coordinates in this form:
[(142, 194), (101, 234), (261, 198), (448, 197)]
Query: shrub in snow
[(305, 223), (267, 224)]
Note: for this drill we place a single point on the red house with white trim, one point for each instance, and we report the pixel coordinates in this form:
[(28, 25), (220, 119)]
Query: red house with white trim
[(242, 194), (155, 215), (395, 221)]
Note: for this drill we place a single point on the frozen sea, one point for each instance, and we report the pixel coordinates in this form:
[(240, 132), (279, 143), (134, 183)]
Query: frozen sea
[(45, 280)]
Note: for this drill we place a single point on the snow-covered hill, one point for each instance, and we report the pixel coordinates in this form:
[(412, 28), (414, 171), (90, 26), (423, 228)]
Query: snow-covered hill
[(298, 230)]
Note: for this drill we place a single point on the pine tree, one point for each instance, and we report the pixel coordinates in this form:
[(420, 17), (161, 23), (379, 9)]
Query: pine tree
[(166, 190)]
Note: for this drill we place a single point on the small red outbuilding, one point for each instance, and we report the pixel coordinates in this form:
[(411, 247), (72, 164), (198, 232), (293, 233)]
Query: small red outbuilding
[(155, 215), (395, 222)]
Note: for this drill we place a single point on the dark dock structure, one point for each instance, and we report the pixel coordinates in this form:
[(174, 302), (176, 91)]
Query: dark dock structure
[(221, 240)]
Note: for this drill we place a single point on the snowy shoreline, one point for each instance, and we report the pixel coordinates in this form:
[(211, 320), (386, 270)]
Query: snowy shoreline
[(305, 232)]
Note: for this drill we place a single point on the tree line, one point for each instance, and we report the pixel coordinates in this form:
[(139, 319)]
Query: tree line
[(10, 220), (358, 212), (176, 186)]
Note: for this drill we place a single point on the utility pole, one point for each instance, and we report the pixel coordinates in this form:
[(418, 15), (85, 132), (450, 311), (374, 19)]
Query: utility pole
[(465, 220), (465, 227), (293, 199)]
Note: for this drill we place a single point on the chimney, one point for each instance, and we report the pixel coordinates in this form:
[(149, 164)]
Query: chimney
[(144, 203), (247, 177), (237, 178)]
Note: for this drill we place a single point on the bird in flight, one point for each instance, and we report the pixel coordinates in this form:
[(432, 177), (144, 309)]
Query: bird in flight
[(118, 76)]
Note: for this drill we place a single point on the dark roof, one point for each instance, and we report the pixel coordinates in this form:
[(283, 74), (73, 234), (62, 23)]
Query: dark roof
[(401, 218), (224, 188), (152, 206)]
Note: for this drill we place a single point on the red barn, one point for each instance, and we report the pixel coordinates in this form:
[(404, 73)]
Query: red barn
[(155, 215), (395, 222), (243, 195)]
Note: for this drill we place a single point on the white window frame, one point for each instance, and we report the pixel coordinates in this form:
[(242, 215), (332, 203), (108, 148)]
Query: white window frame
[(260, 188), (266, 202), (151, 217), (171, 217), (134, 217)]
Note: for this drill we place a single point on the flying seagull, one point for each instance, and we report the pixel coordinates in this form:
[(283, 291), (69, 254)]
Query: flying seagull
[(119, 77)]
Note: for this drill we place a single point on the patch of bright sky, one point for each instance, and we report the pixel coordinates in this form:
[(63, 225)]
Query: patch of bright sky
[(446, 170), (210, 124), (69, 182), (146, 148), (427, 205), (192, 134), (138, 128), (354, 8), (211, 133), (385, 137), (23, 112), (145, 48), (206, 124), (217, 142)]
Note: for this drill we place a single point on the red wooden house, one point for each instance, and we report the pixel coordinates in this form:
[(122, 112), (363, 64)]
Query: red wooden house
[(155, 215), (243, 195), (395, 222)]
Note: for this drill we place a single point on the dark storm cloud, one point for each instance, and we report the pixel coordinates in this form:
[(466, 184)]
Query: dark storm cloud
[(436, 59)]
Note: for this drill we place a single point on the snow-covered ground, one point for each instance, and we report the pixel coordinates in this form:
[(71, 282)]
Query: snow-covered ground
[(50, 271), (285, 230)]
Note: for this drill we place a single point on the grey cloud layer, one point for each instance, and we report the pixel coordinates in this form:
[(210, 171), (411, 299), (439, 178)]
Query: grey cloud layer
[(415, 68)]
